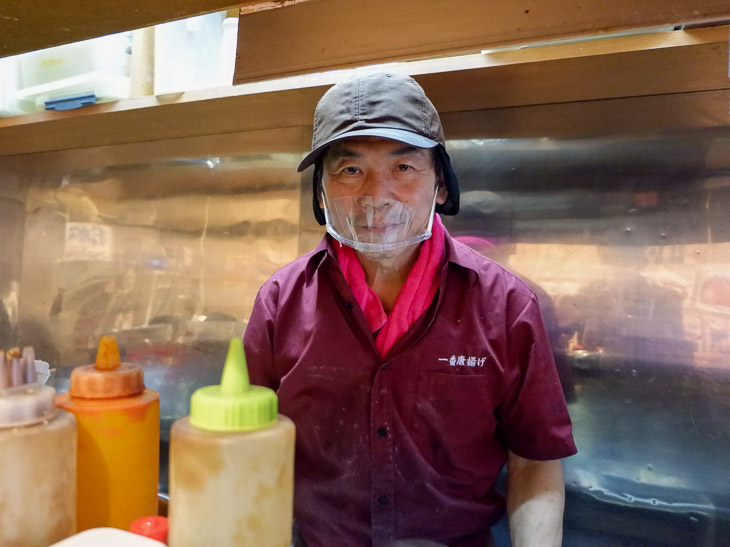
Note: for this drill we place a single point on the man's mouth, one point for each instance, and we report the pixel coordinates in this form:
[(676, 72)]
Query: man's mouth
[(378, 228)]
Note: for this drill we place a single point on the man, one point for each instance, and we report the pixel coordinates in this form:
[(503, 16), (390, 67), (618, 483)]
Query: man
[(412, 366)]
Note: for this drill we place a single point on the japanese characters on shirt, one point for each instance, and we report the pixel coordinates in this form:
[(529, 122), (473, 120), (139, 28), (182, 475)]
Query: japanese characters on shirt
[(464, 361)]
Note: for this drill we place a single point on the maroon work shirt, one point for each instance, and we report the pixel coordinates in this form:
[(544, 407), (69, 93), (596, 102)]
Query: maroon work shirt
[(410, 445)]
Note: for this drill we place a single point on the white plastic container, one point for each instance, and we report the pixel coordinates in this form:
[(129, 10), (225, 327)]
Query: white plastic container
[(100, 66), (10, 105), (188, 54), (37, 458), (229, 43), (108, 537)]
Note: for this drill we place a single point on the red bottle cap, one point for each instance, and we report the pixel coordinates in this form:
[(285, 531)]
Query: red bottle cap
[(154, 527)]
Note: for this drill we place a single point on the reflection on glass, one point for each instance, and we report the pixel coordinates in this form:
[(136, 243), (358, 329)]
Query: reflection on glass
[(624, 244), (171, 274), (500, 250)]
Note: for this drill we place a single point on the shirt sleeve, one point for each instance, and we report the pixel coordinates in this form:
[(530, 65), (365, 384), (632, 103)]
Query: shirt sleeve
[(258, 340), (533, 415)]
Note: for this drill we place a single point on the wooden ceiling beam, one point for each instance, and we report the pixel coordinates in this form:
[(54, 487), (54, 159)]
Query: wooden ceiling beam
[(328, 34), (38, 24)]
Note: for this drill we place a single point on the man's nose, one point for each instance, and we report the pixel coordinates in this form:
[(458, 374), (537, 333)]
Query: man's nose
[(375, 204), (378, 184)]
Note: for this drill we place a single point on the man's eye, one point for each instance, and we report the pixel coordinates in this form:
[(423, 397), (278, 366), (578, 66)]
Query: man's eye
[(404, 167), (350, 170)]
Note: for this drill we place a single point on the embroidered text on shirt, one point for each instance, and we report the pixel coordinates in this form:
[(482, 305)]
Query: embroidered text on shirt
[(464, 361)]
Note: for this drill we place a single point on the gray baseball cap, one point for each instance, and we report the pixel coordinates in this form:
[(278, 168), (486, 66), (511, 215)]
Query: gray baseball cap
[(388, 105)]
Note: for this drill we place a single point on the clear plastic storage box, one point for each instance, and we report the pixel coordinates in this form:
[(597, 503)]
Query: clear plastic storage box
[(194, 53), (98, 67), (10, 105)]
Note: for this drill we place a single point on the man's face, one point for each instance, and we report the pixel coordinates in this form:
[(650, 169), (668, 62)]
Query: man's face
[(385, 169)]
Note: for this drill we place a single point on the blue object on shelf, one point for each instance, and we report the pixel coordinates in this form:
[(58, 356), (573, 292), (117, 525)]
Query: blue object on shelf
[(70, 102)]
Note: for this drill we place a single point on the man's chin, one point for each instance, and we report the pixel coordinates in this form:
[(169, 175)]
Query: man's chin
[(390, 254), (380, 256)]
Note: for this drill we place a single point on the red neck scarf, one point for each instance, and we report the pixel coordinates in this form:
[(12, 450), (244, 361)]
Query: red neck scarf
[(414, 297)]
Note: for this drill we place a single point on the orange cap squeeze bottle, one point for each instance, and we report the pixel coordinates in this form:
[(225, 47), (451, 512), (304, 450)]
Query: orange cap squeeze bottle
[(119, 435)]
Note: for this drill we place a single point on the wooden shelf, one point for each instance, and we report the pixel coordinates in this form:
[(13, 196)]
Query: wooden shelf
[(28, 26), (674, 64)]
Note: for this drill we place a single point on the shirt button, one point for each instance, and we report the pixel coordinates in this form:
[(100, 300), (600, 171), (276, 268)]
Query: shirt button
[(382, 431), (382, 500), (348, 305)]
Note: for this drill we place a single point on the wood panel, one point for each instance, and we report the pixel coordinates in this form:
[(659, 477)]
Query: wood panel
[(28, 26), (147, 119), (620, 116), (326, 34), (686, 68)]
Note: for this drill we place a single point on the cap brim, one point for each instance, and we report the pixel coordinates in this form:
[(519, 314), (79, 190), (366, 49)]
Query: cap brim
[(400, 135)]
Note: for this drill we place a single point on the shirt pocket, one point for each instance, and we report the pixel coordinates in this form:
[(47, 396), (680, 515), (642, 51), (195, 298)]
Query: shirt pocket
[(454, 425)]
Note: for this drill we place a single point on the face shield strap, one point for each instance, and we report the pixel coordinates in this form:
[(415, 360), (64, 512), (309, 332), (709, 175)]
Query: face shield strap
[(374, 225)]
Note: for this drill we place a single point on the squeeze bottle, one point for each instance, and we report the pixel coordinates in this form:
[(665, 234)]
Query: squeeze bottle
[(37, 458), (154, 526), (108, 537), (119, 436), (232, 465)]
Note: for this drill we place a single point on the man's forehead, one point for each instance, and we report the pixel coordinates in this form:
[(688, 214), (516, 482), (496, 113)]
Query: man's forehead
[(354, 146)]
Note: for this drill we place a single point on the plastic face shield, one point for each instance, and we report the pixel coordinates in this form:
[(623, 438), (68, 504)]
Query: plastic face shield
[(375, 225)]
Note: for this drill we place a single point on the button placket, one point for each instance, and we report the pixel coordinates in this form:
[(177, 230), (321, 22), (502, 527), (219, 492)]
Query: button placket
[(381, 458)]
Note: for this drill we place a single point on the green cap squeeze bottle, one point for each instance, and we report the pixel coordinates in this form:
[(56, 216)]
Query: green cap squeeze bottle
[(232, 465)]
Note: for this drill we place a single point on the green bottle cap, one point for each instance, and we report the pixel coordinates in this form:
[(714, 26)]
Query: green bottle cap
[(234, 405)]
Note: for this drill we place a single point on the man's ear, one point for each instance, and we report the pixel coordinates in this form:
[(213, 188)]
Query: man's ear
[(442, 193)]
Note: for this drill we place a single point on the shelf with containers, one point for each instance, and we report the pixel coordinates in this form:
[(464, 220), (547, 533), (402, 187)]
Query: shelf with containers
[(603, 71), (173, 57)]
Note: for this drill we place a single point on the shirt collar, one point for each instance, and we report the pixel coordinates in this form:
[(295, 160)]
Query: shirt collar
[(317, 257), (462, 255)]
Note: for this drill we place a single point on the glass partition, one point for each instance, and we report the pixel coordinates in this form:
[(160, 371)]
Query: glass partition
[(626, 241)]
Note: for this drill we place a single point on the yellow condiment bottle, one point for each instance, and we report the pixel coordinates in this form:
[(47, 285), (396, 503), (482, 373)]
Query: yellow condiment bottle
[(118, 440), (232, 465)]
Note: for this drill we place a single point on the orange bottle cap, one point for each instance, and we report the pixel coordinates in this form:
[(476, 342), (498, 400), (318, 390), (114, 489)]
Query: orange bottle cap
[(108, 378)]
